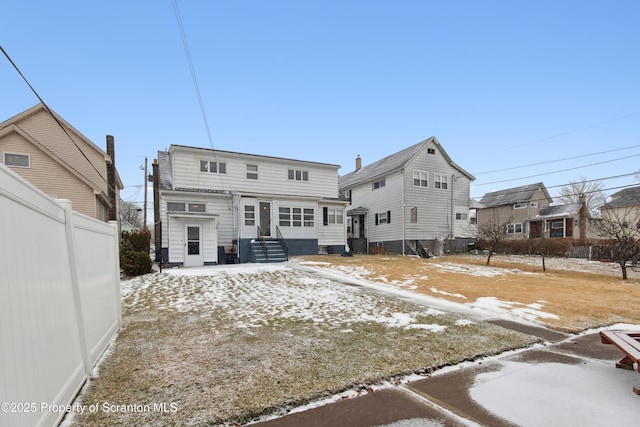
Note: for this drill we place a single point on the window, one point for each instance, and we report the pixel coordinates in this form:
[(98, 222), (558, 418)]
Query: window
[(534, 204), (431, 150), (17, 160), (414, 215), (213, 167), (308, 217), (519, 206), (378, 184), (441, 182), (296, 217), (461, 216), (175, 207), (420, 179), (249, 215), (298, 175), (332, 216), (197, 207), (383, 217), (514, 228), (557, 224), (252, 171)]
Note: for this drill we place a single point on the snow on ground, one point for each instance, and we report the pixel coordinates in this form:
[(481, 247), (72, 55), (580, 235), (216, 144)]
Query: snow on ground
[(253, 295), (482, 308)]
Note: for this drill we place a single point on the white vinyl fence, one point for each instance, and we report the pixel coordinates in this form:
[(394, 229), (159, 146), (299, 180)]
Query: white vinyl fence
[(59, 301)]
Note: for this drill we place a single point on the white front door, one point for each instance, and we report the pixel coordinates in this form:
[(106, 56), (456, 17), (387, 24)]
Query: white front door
[(193, 245)]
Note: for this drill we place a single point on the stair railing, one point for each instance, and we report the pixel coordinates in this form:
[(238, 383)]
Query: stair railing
[(283, 245)]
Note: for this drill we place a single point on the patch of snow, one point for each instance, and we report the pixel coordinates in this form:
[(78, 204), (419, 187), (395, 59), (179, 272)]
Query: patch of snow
[(437, 291)]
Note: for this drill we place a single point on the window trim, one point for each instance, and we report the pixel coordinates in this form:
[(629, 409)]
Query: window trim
[(300, 175), (251, 172), (376, 185), (514, 226), (441, 181), (419, 177), (521, 205), (28, 156), (249, 215)]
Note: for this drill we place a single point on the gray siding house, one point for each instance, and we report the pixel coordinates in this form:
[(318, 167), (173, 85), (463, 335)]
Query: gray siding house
[(220, 206), (408, 200)]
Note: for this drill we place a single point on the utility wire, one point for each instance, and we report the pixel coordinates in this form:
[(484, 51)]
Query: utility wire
[(558, 171), (64, 129), (556, 160), (192, 69), (568, 132)]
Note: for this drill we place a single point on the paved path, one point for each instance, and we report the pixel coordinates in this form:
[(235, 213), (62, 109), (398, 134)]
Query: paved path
[(572, 380)]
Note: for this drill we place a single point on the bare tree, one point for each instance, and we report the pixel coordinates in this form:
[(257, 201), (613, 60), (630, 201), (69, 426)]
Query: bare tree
[(592, 190), (492, 233), (622, 228), (132, 213)]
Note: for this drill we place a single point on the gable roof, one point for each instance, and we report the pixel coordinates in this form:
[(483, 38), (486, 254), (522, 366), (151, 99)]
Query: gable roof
[(514, 195), (395, 162), (624, 198)]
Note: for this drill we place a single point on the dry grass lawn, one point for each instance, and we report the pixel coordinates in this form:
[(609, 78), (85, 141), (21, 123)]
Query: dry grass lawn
[(582, 295)]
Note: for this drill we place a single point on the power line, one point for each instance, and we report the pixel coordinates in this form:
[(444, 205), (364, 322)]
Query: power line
[(556, 160), (519, 189), (559, 171), (192, 69), (53, 115), (569, 132)]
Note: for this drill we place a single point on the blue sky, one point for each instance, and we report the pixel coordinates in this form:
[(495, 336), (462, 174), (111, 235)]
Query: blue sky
[(501, 84)]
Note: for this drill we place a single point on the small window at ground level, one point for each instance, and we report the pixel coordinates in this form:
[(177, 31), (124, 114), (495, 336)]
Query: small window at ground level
[(19, 160)]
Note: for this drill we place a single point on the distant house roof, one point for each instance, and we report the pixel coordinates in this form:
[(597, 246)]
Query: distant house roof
[(624, 198), (394, 162), (513, 195), (560, 211)]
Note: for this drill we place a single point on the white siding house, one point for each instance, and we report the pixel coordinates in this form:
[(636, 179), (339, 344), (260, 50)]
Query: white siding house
[(407, 200), (214, 203)]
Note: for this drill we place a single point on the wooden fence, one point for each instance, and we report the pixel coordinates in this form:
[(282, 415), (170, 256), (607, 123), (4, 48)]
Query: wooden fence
[(59, 301)]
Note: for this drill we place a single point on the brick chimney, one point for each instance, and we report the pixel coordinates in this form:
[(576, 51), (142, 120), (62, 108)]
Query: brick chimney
[(111, 179), (358, 163)]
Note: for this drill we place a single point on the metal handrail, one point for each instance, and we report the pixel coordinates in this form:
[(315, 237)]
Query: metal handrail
[(283, 245)]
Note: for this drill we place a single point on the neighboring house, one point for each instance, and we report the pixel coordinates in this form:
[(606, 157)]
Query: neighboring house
[(220, 206), (414, 197), (127, 227), (515, 207), (43, 148), (565, 221), (624, 207)]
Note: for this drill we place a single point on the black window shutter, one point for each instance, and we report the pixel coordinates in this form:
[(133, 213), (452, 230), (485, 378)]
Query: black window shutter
[(376, 219), (325, 216), (388, 217)]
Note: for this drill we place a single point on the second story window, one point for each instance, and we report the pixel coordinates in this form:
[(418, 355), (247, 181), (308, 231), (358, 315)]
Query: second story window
[(519, 206), (252, 171), (441, 182), (298, 175), (420, 179), (213, 167), (379, 184)]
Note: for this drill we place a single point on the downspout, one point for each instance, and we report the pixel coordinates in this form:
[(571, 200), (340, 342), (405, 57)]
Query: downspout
[(403, 214), (452, 213)]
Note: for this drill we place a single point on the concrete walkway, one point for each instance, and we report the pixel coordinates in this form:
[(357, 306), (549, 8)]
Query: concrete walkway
[(570, 381)]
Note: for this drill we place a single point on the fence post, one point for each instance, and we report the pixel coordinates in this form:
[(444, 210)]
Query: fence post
[(75, 283), (117, 272)]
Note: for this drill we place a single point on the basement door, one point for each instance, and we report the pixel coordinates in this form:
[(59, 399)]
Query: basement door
[(193, 256)]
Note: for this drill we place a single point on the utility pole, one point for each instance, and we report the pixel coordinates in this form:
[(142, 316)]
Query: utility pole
[(145, 193)]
